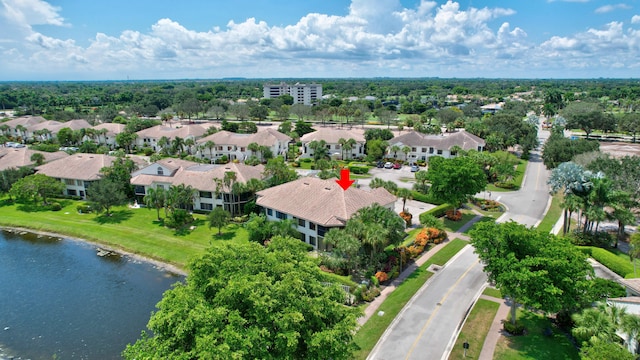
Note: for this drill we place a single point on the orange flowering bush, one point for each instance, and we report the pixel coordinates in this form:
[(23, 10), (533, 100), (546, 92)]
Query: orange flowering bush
[(382, 276), (414, 251), (422, 238), (453, 215), (406, 216)]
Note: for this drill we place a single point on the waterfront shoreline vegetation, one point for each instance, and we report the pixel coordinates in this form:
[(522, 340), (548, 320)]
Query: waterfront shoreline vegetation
[(369, 333), (128, 230)]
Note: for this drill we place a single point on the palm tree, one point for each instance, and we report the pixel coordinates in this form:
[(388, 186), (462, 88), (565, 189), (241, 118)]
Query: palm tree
[(103, 133), (155, 198), (406, 150), (394, 149), (593, 324), (319, 149), (254, 148), (178, 145), (342, 142), (5, 129), (37, 158), (630, 324), (21, 130), (210, 145), (163, 142), (348, 146), (189, 143), (404, 194)]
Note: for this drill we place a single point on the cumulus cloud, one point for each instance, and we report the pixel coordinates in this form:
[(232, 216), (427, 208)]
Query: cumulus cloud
[(635, 19), (375, 37), (609, 8)]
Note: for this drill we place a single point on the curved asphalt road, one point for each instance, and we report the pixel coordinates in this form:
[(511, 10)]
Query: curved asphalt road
[(428, 325)]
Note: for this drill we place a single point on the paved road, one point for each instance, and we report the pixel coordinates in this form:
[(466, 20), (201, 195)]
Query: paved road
[(423, 329)]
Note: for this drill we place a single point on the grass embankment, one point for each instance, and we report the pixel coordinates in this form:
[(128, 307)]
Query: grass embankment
[(535, 345), (132, 230), (553, 214), (368, 335), (475, 329)]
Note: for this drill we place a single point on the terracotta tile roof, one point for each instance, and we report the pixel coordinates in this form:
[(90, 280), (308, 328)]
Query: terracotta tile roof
[(182, 131), (264, 137), (465, 140), (55, 126), (25, 121), (201, 176), (77, 166), (323, 202), (112, 128), (18, 157), (332, 136)]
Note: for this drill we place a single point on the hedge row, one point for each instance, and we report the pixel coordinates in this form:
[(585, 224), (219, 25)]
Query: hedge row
[(612, 261), (358, 169), (438, 211), (425, 198)]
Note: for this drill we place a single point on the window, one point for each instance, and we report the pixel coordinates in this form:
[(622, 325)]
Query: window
[(242, 149), (269, 212), (453, 153), (205, 206), (413, 149), (139, 189), (69, 182), (424, 150), (322, 230), (312, 240), (281, 215), (301, 222), (80, 182), (206, 194), (430, 150), (160, 171), (81, 193), (312, 226), (439, 152), (72, 192)]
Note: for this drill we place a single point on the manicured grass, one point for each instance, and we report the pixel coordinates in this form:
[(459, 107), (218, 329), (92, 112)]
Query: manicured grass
[(456, 225), (489, 291), (517, 180), (132, 230), (368, 335), (553, 214), (475, 330), (484, 219), (535, 345), (411, 236)]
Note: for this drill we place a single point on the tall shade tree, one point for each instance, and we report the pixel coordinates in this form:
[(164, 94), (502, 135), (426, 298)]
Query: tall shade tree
[(105, 194), (36, 186), (278, 172), (37, 158), (246, 301), (454, 180), (534, 268), (219, 218), (585, 116)]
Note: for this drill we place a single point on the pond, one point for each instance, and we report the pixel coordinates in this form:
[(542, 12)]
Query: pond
[(59, 299)]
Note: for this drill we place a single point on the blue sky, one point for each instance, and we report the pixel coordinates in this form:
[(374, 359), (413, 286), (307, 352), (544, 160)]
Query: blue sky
[(163, 39)]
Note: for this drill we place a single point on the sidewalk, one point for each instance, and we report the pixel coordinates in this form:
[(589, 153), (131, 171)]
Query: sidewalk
[(373, 306), (495, 331)]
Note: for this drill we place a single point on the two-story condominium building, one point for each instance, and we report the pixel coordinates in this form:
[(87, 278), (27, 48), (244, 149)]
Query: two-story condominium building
[(236, 146), (305, 94), (49, 129), (17, 128), (202, 177), (105, 134), (333, 139), (424, 146), (317, 205), (151, 137), (19, 157), (77, 171)]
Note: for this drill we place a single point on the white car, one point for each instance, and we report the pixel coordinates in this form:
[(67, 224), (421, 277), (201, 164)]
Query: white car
[(388, 165)]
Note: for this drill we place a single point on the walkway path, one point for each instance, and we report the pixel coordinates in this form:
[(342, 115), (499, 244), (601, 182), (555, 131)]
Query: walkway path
[(495, 332)]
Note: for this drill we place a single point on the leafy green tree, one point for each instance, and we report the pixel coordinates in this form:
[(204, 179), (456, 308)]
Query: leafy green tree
[(536, 269), (390, 186), (105, 194), (319, 148), (558, 149), (585, 116), (454, 180), (375, 149), (65, 136), (630, 124), (37, 158), (378, 134), (218, 217), (120, 173), (303, 128), (9, 176), (277, 172), (604, 350), (125, 140), (36, 186)]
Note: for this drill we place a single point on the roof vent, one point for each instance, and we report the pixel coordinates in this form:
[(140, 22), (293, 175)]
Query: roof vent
[(306, 183), (327, 188)]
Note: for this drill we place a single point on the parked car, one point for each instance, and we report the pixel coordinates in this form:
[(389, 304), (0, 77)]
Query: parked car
[(388, 165), (397, 166), (380, 164), (414, 168)]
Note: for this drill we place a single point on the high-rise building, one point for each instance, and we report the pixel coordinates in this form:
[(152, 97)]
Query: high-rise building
[(305, 94)]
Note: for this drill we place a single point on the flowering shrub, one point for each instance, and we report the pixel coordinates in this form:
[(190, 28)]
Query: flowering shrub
[(382, 276), (453, 215), (429, 235), (414, 250)]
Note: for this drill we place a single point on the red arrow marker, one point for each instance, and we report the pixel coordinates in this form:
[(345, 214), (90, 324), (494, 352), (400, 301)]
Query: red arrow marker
[(344, 181)]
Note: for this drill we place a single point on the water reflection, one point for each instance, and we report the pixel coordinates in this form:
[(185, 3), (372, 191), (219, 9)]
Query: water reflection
[(59, 298)]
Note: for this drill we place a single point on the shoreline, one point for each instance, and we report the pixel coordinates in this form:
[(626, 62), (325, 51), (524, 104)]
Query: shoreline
[(159, 264)]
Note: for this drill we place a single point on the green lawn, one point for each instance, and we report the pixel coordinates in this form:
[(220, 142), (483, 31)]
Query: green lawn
[(535, 345), (475, 329), (456, 225), (368, 335), (133, 230), (489, 291), (484, 219), (517, 180), (553, 214)]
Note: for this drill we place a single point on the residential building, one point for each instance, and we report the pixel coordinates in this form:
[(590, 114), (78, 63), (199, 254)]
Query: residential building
[(19, 157), (305, 94), (236, 146), (491, 108), (105, 134), (77, 171), (202, 177), (332, 137), (151, 137), (423, 146), (17, 127), (35, 132), (317, 205)]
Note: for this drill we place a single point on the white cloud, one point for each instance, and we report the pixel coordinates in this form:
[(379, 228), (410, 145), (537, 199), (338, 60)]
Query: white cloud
[(609, 8), (635, 19)]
